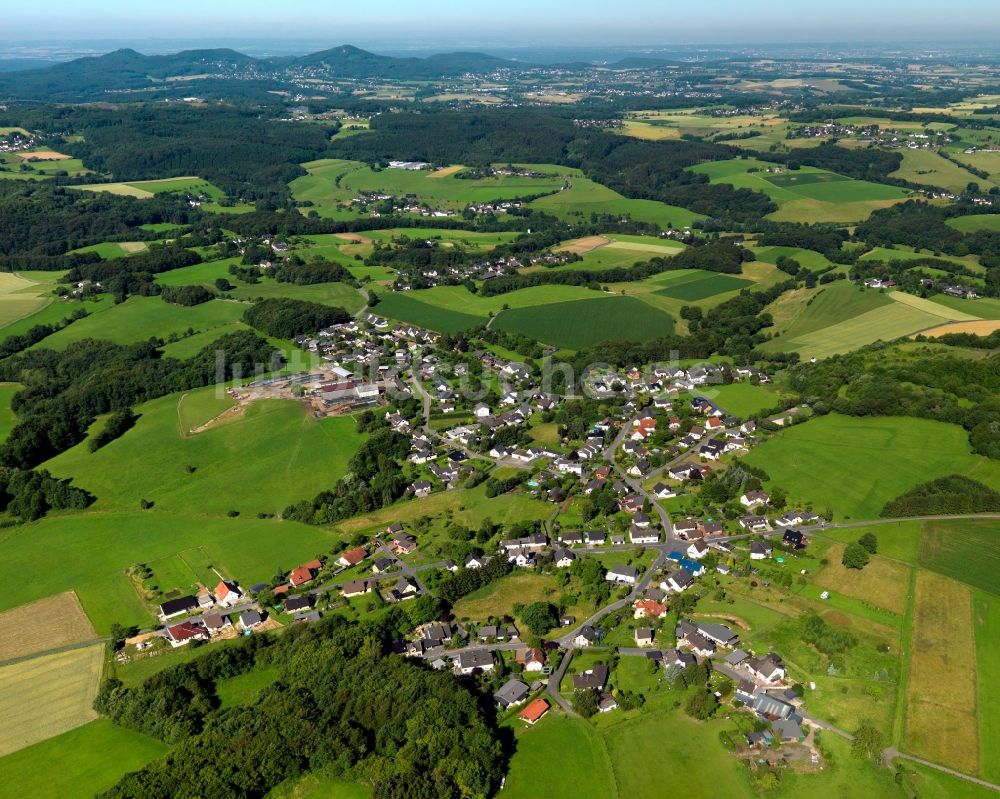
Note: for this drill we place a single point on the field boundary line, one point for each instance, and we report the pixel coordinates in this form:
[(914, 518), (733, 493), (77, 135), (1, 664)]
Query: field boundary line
[(55, 651), (905, 645)]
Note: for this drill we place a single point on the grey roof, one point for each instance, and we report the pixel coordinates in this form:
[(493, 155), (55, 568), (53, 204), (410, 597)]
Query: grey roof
[(787, 729), (513, 692), (594, 679), (250, 617), (736, 657), (475, 659), (717, 632)]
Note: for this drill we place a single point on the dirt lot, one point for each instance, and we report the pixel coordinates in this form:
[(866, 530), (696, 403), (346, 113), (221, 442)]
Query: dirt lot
[(584, 245), (46, 624)]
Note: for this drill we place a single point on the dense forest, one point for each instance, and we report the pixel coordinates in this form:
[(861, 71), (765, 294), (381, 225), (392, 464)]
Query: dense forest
[(238, 148), (334, 707), (938, 386)]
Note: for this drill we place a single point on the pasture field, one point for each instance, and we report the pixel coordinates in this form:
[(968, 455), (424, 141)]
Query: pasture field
[(941, 693), (7, 416), (47, 695), (583, 323), (144, 189), (989, 162), (405, 307), (91, 759), (448, 191), (20, 298), (460, 299), (975, 222), (965, 550), (818, 461), (151, 460), (702, 285), (647, 750), (830, 305), (574, 745), (203, 274), (641, 129), (109, 250), (47, 624), (338, 294), (319, 785), (805, 195), (498, 598), (884, 323), (928, 168), (902, 253), (139, 318), (96, 548), (986, 621), (245, 688), (982, 307), (932, 307), (883, 582), (809, 259), (743, 399), (585, 197)]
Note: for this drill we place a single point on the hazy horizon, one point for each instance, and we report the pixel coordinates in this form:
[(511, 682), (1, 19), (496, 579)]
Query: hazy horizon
[(439, 23)]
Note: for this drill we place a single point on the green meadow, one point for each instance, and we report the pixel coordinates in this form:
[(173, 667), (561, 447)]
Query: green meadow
[(140, 318), (975, 222), (926, 167), (743, 399), (7, 416), (21, 297), (699, 285), (809, 259), (585, 197), (90, 759), (404, 307), (583, 323), (854, 466), (95, 549), (151, 461), (807, 194)]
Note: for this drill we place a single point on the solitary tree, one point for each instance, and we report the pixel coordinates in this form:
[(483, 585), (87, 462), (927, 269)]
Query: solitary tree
[(855, 556), (869, 542), (868, 743)]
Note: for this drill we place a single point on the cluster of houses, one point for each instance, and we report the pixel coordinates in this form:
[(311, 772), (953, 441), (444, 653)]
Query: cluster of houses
[(215, 607)]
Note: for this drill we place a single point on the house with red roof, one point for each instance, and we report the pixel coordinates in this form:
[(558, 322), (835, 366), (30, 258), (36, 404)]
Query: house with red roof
[(185, 632), (534, 712), (227, 593), (353, 557)]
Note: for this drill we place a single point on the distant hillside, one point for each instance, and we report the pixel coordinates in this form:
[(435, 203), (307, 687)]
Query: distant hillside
[(351, 62), (125, 72), (15, 64)]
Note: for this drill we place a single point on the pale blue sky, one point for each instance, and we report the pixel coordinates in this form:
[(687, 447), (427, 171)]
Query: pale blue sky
[(558, 22)]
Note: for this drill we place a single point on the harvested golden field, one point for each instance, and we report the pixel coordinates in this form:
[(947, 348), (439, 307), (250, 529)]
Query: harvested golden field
[(941, 693), (883, 583), (48, 695), (357, 238), (446, 171), (46, 624), (584, 245), (44, 155), (981, 327)]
